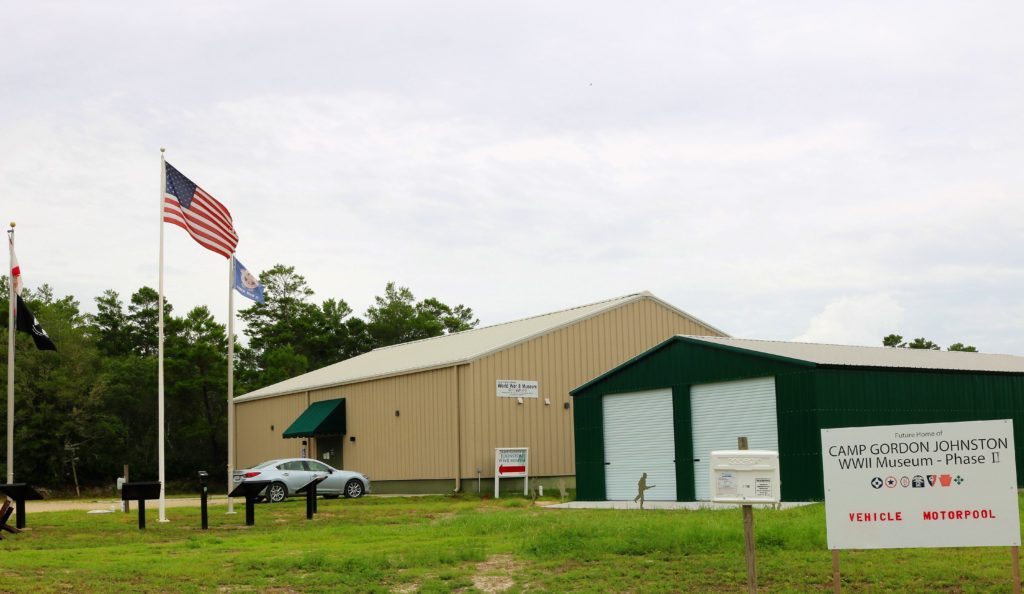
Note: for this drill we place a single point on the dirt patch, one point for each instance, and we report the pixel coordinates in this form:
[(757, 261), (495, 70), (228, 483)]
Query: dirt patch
[(496, 574), (440, 517), (405, 588)]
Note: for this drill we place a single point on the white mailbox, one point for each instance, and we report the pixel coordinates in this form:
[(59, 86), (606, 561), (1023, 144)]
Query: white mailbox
[(745, 476)]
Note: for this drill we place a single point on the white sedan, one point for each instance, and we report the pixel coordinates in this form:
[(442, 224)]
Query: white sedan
[(288, 475)]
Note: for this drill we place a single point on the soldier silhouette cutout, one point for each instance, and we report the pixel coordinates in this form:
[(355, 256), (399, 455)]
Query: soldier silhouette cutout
[(641, 486)]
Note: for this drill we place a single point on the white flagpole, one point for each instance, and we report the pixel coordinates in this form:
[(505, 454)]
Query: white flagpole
[(10, 358), (231, 380), (160, 344)]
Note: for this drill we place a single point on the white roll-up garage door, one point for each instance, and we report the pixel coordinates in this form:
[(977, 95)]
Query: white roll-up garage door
[(639, 438), (722, 412)]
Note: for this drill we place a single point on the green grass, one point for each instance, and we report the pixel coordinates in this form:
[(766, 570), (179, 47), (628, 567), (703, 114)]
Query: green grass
[(444, 544)]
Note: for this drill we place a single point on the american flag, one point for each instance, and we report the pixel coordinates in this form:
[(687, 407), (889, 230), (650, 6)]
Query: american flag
[(191, 208)]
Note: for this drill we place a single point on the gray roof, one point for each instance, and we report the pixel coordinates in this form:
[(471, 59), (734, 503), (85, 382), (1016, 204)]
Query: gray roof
[(447, 350), (862, 356)]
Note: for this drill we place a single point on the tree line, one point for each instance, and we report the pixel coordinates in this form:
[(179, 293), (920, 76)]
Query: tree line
[(84, 411), (896, 341)]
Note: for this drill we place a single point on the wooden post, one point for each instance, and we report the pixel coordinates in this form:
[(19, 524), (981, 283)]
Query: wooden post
[(748, 535), (836, 577), (126, 503), (1015, 551)]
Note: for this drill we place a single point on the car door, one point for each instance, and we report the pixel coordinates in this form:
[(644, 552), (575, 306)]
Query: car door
[(295, 474), (335, 482)]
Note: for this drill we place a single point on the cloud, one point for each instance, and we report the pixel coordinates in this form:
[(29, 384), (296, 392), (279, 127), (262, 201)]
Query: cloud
[(775, 171), (861, 320)]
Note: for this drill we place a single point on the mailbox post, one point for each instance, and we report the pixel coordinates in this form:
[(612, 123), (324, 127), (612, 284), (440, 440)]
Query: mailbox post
[(746, 476), (203, 492)]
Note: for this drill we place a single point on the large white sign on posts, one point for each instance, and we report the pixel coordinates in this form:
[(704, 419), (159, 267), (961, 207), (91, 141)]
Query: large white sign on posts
[(933, 485), (511, 463)]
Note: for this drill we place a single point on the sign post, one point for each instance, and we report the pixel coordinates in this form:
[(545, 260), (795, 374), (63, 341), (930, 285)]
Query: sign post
[(511, 463), (915, 486), (746, 476)]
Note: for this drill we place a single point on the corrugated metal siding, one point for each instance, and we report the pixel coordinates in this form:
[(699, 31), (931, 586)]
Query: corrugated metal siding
[(638, 439), (858, 398), (419, 443), (683, 433), (720, 413), (560, 361), (256, 441), (867, 397)]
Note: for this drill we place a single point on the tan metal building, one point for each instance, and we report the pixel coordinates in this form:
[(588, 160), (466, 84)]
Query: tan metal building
[(425, 416)]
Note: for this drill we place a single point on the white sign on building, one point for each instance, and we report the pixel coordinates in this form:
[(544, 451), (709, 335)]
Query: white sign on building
[(931, 485), (518, 388)]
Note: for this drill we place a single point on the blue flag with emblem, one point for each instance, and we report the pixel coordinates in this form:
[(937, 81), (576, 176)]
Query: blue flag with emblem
[(247, 283)]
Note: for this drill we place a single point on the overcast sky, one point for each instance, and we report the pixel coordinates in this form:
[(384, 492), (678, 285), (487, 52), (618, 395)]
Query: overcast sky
[(818, 171)]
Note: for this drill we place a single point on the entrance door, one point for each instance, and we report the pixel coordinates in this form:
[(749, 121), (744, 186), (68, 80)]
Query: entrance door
[(329, 449), (722, 412), (639, 438)]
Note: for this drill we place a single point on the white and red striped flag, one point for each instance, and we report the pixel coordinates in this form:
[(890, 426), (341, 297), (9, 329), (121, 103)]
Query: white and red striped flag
[(15, 269), (191, 208)]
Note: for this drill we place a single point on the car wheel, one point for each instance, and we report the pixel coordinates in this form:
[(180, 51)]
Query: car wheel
[(277, 492), (353, 489)]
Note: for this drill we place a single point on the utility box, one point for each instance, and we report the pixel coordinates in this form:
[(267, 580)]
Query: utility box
[(745, 476)]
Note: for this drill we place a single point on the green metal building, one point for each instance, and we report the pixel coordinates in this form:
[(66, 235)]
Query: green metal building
[(664, 411)]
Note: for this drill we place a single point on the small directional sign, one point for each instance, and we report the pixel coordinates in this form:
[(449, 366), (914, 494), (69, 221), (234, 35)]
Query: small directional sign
[(511, 463)]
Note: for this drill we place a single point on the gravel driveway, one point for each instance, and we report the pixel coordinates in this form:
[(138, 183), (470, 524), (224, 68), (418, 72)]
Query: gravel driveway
[(105, 504)]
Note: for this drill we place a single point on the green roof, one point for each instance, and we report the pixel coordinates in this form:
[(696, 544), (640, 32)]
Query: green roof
[(326, 417)]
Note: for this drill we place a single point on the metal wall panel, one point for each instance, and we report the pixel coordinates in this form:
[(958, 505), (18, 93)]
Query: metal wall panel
[(417, 443), (258, 428), (638, 437), (559, 361), (720, 413)]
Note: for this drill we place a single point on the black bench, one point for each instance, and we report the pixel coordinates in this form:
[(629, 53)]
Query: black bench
[(140, 492), (250, 490), (20, 493), (310, 490)]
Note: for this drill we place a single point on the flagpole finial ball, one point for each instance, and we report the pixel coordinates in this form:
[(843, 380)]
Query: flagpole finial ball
[(12, 224), (162, 149)]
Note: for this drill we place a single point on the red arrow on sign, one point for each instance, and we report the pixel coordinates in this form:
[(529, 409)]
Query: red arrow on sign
[(508, 469)]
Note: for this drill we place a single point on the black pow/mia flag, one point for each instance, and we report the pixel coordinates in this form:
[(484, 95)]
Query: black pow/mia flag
[(28, 323)]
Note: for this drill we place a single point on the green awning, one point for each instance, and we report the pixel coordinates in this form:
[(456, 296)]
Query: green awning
[(326, 417)]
